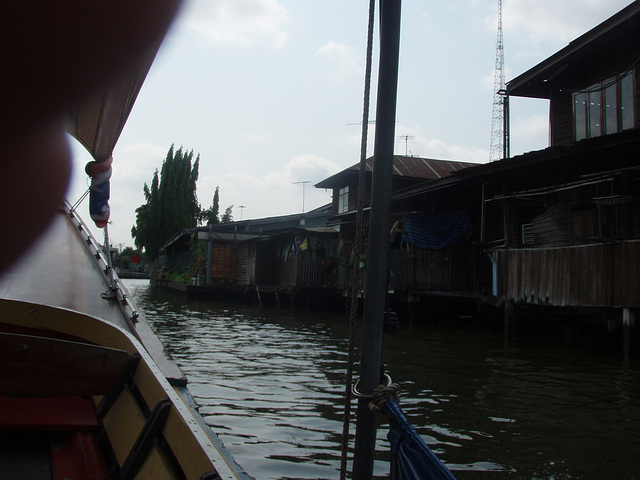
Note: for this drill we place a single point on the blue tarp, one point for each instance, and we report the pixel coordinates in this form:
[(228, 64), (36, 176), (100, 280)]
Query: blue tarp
[(434, 231), (411, 458)]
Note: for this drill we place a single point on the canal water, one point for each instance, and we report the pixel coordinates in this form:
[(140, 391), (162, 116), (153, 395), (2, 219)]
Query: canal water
[(270, 384)]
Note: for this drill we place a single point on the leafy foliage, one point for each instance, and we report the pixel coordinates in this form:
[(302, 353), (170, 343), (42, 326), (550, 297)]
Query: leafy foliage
[(227, 217), (171, 202), (125, 256), (211, 214)]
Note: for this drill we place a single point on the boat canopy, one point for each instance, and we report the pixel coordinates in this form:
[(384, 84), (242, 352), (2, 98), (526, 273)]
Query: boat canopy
[(97, 122), (99, 119)]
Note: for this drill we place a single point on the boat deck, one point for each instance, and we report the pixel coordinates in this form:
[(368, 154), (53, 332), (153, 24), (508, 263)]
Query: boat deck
[(58, 271)]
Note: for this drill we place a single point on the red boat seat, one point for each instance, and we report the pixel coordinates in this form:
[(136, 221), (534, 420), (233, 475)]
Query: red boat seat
[(48, 414)]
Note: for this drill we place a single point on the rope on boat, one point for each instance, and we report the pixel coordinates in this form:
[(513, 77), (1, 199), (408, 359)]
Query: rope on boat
[(82, 197), (107, 252), (357, 247), (382, 394)]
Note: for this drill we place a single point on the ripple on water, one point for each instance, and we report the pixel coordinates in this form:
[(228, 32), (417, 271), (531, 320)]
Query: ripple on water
[(270, 383)]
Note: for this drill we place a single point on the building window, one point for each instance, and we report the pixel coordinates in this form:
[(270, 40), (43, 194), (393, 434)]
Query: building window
[(627, 109), (343, 200), (603, 108)]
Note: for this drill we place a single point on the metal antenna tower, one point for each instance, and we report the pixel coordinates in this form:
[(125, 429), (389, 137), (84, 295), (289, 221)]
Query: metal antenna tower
[(406, 139), (303, 183), (498, 148)]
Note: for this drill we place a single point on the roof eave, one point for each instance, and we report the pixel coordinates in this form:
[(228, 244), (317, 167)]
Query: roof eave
[(537, 81)]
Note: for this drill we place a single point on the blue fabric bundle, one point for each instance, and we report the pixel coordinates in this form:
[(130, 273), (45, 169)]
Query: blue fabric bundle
[(411, 457)]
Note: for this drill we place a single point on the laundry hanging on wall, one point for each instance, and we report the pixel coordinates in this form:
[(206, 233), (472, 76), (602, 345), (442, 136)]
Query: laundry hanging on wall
[(433, 231)]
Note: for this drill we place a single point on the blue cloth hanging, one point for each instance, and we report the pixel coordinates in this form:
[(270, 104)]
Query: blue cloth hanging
[(411, 457), (433, 231)]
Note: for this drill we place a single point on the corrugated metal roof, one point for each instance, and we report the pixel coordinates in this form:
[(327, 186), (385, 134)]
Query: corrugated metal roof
[(408, 167)]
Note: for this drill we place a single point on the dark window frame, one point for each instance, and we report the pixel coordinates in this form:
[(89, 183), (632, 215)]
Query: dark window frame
[(593, 100)]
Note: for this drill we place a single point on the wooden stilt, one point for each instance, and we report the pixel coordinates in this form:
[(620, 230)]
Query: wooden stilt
[(508, 320), (626, 325), (258, 292)]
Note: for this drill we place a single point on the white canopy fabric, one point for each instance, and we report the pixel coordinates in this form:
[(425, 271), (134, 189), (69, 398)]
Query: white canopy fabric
[(98, 120)]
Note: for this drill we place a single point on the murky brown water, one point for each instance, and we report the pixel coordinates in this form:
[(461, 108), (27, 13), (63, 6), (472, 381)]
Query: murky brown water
[(270, 385)]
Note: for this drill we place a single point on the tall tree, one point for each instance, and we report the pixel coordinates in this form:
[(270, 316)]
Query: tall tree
[(227, 217), (171, 203), (211, 215)]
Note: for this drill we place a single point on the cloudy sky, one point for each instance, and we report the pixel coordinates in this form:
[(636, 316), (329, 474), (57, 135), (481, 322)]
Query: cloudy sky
[(269, 93)]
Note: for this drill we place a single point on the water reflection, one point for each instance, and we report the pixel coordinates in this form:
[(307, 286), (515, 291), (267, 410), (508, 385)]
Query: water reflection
[(270, 384)]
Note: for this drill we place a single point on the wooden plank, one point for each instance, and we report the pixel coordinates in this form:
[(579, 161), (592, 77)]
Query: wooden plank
[(123, 423), (607, 271), (621, 275), (48, 366), (542, 261), (632, 275), (565, 262), (552, 282)]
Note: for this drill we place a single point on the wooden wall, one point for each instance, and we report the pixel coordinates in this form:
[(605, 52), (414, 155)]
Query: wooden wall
[(455, 268), (599, 275), (306, 271), (561, 119)]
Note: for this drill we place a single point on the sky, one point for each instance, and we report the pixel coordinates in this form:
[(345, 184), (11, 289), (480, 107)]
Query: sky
[(269, 93)]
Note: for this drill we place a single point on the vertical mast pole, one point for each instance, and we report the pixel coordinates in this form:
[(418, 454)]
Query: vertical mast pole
[(378, 250)]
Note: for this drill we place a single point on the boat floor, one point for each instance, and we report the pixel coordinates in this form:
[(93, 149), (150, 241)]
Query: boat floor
[(40, 455), (50, 438), (25, 455)]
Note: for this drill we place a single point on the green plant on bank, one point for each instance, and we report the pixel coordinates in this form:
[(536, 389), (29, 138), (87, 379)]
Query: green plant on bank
[(177, 274), (199, 261)]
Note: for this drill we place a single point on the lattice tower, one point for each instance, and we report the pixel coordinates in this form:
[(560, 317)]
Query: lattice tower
[(496, 151)]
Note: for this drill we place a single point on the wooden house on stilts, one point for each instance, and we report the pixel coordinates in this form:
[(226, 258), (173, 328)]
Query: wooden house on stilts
[(562, 225), (555, 231)]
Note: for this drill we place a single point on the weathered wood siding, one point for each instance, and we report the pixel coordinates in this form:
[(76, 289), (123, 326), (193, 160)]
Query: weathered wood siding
[(561, 116), (247, 263), (305, 271), (553, 226), (452, 269), (600, 275)]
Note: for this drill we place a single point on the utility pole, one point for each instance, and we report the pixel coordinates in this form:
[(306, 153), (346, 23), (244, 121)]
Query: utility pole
[(378, 252), (303, 184), (499, 143)]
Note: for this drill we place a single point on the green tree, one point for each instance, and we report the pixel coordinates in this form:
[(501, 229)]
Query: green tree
[(124, 258), (211, 215), (227, 217), (171, 203)]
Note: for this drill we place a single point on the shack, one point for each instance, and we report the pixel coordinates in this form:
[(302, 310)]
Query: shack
[(554, 229), (407, 270), (279, 257), (563, 224), (557, 228)]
